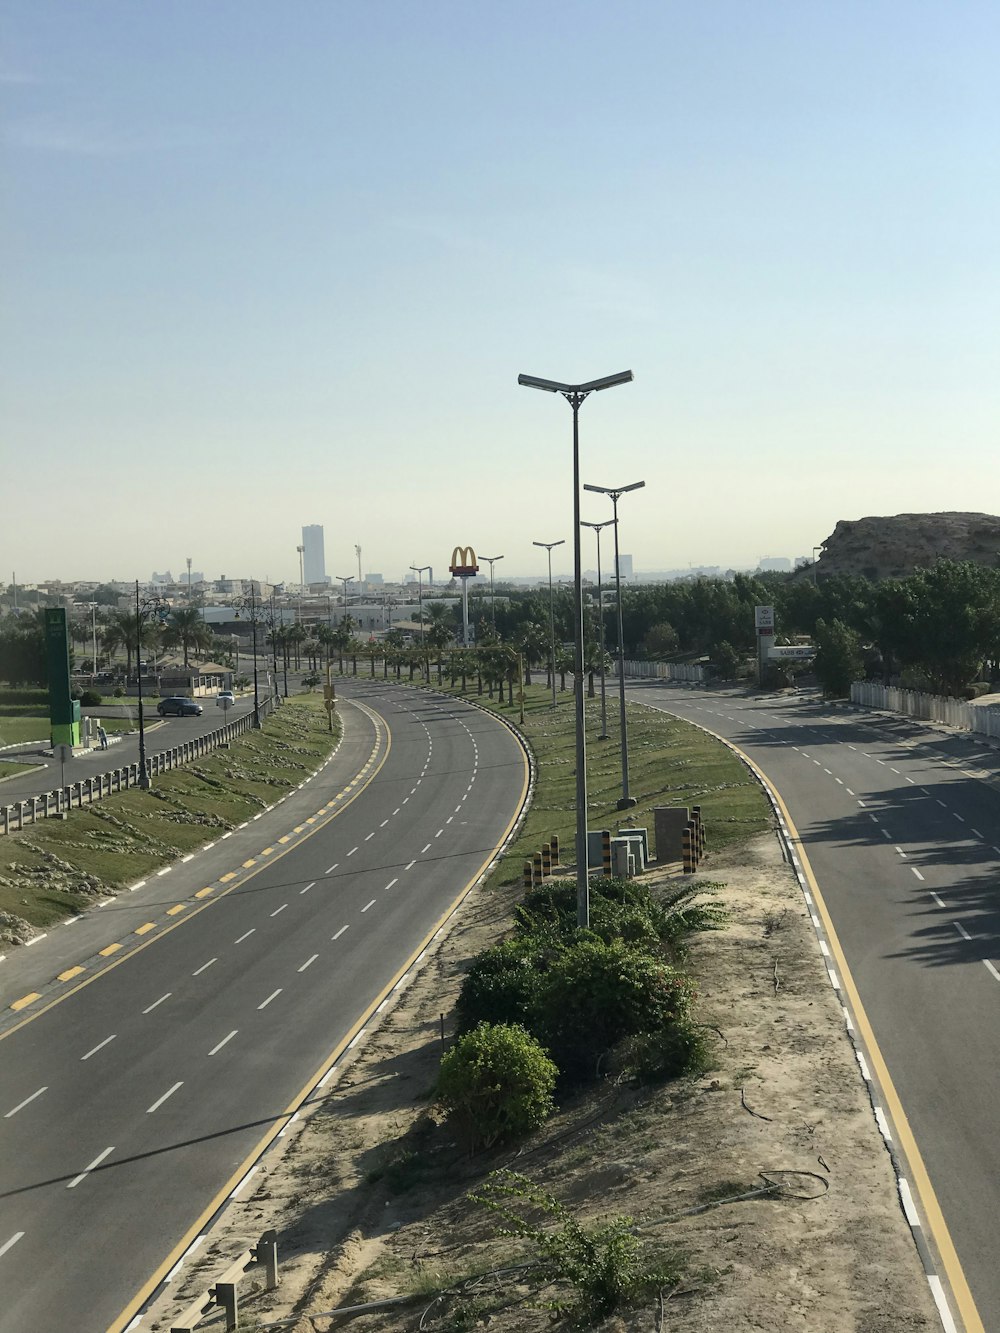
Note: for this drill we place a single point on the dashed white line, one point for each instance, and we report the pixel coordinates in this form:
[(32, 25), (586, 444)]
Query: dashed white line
[(204, 967), (369, 836), (215, 1049), (958, 817), (9, 1244), (939, 901), (99, 1046), (95, 1163), (340, 932), (279, 909), (941, 803), (352, 851), (160, 1100), (21, 1105), (439, 832), (392, 882), (367, 905), (426, 849), (901, 852), (413, 863), (273, 996), (961, 930), (246, 935), (886, 834), (873, 818), (308, 962), (383, 823), (993, 972), (156, 1002), (975, 831)]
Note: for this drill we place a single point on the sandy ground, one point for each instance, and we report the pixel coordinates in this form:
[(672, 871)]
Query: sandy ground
[(784, 1095)]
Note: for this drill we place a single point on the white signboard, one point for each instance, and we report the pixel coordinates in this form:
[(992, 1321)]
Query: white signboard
[(798, 652), (764, 618)]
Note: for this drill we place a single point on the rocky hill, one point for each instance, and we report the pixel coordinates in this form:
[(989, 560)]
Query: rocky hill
[(894, 546)]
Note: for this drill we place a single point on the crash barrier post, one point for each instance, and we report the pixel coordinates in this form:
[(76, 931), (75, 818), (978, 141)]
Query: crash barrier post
[(546, 858), (223, 1295), (690, 856), (527, 876), (699, 824), (554, 843)]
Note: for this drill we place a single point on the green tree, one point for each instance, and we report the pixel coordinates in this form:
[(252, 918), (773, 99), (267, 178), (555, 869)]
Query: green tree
[(187, 629), (496, 1085), (839, 659)]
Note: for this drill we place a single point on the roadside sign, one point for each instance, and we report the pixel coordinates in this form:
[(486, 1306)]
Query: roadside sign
[(764, 618)]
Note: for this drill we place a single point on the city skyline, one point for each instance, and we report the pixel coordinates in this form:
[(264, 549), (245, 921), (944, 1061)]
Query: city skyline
[(233, 298)]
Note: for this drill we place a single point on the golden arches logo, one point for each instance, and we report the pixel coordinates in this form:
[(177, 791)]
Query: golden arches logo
[(463, 562)]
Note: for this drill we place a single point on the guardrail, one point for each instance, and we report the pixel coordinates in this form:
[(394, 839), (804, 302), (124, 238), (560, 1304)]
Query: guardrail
[(983, 719), (74, 795), (224, 1294), (662, 670)]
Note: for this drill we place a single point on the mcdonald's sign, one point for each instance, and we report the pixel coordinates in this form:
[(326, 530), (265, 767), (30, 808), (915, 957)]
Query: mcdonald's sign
[(463, 563)]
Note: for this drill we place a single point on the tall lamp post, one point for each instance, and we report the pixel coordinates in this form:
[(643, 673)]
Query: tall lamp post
[(420, 571), (615, 492), (600, 602), (144, 610), (345, 579), (491, 561), (575, 394), (250, 604), (552, 615)]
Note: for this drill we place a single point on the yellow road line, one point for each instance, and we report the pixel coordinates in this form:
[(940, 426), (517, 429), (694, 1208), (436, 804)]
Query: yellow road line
[(203, 893), (267, 851), (26, 1000), (70, 973), (224, 879), (172, 911), (248, 864), (112, 948), (285, 839), (144, 930)]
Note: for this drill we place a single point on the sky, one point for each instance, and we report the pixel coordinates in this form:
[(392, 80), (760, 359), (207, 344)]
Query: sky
[(271, 264)]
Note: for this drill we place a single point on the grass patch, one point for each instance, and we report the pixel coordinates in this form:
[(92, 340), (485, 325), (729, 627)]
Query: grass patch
[(24, 727), (58, 867), (671, 762)]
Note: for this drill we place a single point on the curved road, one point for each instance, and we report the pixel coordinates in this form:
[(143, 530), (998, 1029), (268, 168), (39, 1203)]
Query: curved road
[(131, 1105), (901, 825)]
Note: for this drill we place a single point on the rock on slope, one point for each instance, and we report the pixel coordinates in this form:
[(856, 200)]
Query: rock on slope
[(894, 546)]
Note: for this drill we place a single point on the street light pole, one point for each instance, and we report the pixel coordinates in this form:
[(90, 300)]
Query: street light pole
[(142, 613), (420, 571), (492, 559), (626, 799), (600, 602), (575, 395), (242, 603), (552, 615), (345, 579)]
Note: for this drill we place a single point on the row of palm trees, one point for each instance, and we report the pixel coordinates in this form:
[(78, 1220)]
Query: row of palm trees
[(184, 628)]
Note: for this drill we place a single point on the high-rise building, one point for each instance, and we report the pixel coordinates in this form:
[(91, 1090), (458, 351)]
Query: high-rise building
[(624, 566), (313, 557)]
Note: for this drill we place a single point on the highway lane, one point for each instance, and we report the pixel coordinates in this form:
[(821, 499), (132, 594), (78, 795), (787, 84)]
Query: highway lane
[(127, 1108), (905, 845)]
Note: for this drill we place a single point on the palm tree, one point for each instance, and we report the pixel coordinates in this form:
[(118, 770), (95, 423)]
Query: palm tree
[(187, 629)]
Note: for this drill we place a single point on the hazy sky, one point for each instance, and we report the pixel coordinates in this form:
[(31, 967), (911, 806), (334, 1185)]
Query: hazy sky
[(279, 263)]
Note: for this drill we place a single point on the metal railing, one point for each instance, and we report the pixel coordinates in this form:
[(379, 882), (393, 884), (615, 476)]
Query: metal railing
[(224, 1294), (663, 671), (75, 795), (982, 719)]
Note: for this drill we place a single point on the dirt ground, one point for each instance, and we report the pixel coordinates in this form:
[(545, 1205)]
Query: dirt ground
[(369, 1196)]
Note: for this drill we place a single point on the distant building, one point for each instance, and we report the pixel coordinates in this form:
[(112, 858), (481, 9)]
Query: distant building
[(779, 562), (374, 578), (624, 566), (313, 556)]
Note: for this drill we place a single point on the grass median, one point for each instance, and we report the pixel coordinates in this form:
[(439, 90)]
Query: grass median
[(56, 868)]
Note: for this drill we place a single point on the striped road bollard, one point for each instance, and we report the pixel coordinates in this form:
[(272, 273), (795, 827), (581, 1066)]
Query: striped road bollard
[(688, 846), (546, 859), (700, 828), (536, 865), (527, 876), (606, 851), (554, 844)]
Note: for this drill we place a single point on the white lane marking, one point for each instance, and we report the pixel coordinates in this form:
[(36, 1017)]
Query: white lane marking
[(331, 869), (9, 1244), (189, 857), (862, 804), (873, 818), (827, 771), (994, 972), (918, 875), (426, 849), (961, 930), (383, 823), (95, 1163), (396, 811), (941, 803), (886, 834), (439, 832), (407, 798), (911, 781), (817, 763), (458, 810), (413, 863), (156, 1002), (308, 887), (975, 831), (367, 905), (274, 994), (204, 966), (225, 836), (937, 900), (901, 852), (21, 1105), (352, 851), (215, 1049), (246, 1180), (99, 1046), (958, 817), (369, 836), (279, 909), (392, 882), (308, 962), (894, 770), (340, 932), (851, 747), (165, 871), (208, 846), (907, 1200), (848, 790), (840, 781), (159, 1102), (245, 936), (941, 1301)]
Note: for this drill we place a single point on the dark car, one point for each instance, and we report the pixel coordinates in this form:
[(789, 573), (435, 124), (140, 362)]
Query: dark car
[(178, 706)]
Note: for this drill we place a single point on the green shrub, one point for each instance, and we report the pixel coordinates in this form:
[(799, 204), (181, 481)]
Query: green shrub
[(505, 982), (90, 699), (682, 1047), (119, 692), (597, 994), (496, 1084)]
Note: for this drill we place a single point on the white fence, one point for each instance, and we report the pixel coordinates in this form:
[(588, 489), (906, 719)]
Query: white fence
[(983, 719), (663, 671)]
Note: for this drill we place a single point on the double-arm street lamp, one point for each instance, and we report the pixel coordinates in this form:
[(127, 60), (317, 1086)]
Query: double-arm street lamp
[(420, 571), (615, 492), (548, 546), (575, 394), (600, 603), (345, 579), (491, 560)]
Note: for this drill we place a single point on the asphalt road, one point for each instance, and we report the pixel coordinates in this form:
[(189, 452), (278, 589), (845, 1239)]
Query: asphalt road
[(901, 825), (130, 1105)]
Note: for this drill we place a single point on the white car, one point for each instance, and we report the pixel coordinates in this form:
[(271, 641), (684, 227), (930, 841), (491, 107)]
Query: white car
[(226, 699)]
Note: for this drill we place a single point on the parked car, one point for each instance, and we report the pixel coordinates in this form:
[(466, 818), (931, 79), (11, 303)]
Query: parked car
[(179, 706), (226, 699)]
